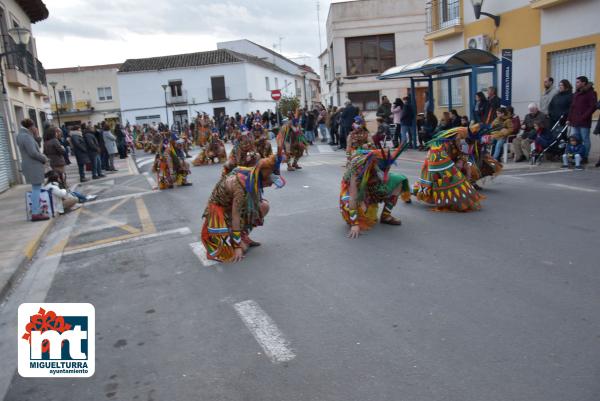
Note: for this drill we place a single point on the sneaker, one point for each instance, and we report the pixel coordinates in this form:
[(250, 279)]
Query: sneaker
[(95, 177), (578, 167), (39, 217), (90, 198), (101, 176), (564, 166), (83, 180)]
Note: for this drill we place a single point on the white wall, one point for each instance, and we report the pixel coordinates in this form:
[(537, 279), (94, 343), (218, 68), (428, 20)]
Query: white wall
[(493, 7), (142, 94), (526, 87), (570, 20), (448, 45)]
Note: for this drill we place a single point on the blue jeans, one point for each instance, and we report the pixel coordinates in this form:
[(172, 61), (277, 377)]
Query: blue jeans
[(96, 165), (310, 135), (36, 189), (498, 146), (584, 134), (323, 132), (406, 133)]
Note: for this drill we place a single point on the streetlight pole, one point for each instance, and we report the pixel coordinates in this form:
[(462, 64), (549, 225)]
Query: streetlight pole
[(53, 85), (164, 86)]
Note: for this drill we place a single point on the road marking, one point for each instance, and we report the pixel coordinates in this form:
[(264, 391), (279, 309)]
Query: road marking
[(177, 231), (114, 198), (538, 173), (265, 331), (145, 162), (200, 251), (574, 188), (150, 180), (325, 149), (144, 215)]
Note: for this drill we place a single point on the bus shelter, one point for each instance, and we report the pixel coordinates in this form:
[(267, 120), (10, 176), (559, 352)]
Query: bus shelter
[(468, 63)]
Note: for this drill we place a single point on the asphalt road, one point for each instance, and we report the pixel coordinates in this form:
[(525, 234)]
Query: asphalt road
[(495, 305)]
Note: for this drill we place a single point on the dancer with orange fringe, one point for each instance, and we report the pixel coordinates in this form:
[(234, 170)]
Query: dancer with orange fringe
[(367, 183)]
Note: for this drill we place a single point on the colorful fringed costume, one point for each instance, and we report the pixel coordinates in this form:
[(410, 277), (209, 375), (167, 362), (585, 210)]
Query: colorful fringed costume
[(294, 144), (170, 165), (367, 183), (442, 183), (359, 138), (213, 152), (236, 206), (261, 141), (243, 154)]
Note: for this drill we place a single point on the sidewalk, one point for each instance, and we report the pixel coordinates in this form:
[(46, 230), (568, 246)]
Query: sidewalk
[(21, 238)]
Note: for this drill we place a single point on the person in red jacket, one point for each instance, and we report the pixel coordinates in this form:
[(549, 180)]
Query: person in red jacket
[(580, 113)]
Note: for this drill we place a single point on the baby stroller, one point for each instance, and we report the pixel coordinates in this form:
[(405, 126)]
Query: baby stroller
[(560, 133)]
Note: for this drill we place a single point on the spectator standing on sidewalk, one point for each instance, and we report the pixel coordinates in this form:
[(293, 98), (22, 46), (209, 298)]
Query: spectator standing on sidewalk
[(385, 110), (549, 92), (480, 109), (397, 114), (54, 151), (580, 114), (103, 153), (93, 152), (33, 165), (346, 121), (110, 143), (322, 122), (81, 151), (561, 103), (121, 141), (493, 104), (407, 120)]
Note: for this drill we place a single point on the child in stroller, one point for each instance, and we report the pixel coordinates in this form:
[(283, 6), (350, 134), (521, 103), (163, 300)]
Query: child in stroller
[(549, 144)]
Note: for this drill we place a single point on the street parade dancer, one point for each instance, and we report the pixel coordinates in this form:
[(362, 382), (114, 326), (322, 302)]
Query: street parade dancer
[(359, 138), (243, 154), (236, 206), (169, 164), (261, 140), (293, 143), (212, 152), (368, 182), (442, 183)]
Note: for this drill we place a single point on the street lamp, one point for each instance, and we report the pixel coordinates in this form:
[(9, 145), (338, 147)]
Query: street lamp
[(477, 4), (53, 85), (164, 86)]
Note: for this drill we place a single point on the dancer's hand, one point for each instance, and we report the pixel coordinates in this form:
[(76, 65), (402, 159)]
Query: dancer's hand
[(354, 232), (238, 256)]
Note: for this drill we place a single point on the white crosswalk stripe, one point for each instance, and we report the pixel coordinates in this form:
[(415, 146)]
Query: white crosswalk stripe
[(200, 252)]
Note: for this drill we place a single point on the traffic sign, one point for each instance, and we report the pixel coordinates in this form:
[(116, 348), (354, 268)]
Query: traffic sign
[(276, 94)]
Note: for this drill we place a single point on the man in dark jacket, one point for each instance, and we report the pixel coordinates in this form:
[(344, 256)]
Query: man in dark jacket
[(80, 149), (494, 104), (580, 114), (407, 119), (385, 110), (93, 152), (346, 121)]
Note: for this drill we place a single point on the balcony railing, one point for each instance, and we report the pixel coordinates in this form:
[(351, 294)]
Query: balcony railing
[(183, 98), (217, 96), (27, 64), (73, 107), (442, 14)]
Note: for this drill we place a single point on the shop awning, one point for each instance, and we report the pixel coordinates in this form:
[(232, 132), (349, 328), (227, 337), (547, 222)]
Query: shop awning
[(460, 60)]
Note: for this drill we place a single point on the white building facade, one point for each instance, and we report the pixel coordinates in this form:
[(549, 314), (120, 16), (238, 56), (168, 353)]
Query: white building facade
[(84, 94), (24, 82), (306, 84), (212, 82), (364, 38)]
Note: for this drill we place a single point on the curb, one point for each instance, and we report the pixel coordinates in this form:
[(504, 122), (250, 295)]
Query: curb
[(23, 260)]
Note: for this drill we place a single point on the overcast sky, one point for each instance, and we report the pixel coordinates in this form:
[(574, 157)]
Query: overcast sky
[(89, 32)]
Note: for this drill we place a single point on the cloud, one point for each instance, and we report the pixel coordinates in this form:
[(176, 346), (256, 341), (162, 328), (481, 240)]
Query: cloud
[(78, 32)]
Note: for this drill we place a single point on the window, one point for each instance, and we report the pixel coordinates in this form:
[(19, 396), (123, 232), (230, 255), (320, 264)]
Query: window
[(442, 14), (298, 89), (276, 83), (65, 97), (370, 54), (218, 88), (365, 101), (457, 91), (572, 63), (267, 83), (105, 94), (175, 86)]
